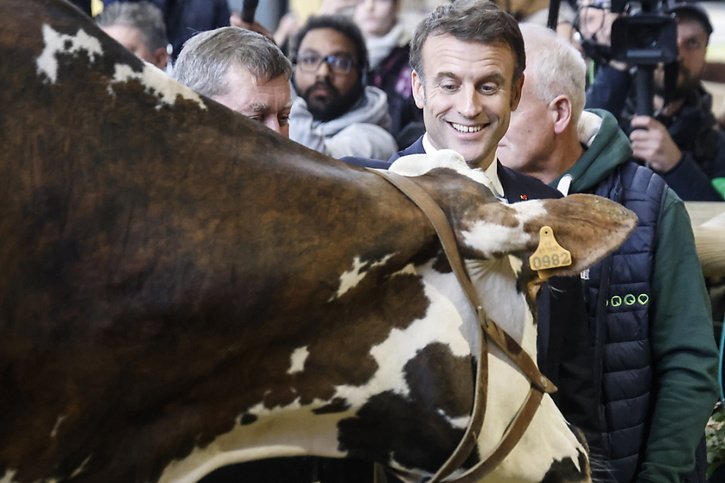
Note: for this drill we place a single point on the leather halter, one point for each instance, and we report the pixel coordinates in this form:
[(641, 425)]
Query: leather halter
[(490, 331)]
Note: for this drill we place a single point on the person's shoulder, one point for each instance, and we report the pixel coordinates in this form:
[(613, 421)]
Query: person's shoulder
[(641, 181), (366, 162), (373, 98), (522, 187), (415, 148)]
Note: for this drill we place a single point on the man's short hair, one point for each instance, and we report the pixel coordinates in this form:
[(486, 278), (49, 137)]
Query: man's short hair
[(206, 57), (559, 67), (692, 10), (144, 16), (341, 24), (479, 21)]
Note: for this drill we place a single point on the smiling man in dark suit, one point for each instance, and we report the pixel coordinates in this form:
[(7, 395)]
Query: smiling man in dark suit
[(468, 61)]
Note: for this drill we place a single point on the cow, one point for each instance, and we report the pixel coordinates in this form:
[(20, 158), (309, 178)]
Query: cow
[(182, 289)]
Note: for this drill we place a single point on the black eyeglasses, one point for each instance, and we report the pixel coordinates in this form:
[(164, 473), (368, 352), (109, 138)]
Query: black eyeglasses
[(339, 64)]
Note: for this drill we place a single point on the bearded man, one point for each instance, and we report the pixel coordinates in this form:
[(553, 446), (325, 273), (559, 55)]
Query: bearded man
[(335, 112)]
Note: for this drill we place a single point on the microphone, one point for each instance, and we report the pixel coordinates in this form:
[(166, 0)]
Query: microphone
[(249, 7)]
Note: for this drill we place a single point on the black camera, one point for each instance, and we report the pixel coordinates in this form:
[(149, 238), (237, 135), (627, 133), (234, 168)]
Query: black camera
[(644, 36)]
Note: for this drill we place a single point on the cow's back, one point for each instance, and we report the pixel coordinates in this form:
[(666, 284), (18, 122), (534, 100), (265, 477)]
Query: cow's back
[(181, 288), (152, 239)]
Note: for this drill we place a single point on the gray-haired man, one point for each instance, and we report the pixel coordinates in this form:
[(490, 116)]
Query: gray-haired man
[(241, 69), (139, 27)]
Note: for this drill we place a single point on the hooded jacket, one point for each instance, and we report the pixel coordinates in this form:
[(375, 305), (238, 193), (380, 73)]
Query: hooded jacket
[(646, 434), (361, 132)]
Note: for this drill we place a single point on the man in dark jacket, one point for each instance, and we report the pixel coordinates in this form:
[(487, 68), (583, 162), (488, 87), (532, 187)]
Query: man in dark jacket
[(648, 312), (468, 61), (680, 141)]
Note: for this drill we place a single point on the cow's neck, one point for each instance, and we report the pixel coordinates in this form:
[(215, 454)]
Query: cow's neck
[(495, 281)]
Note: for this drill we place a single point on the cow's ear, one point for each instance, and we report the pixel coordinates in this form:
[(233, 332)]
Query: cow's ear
[(587, 226)]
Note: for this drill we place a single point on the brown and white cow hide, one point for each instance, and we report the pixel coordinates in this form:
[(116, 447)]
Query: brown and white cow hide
[(181, 288)]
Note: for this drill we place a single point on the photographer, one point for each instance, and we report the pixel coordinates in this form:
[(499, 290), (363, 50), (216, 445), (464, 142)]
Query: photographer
[(680, 140)]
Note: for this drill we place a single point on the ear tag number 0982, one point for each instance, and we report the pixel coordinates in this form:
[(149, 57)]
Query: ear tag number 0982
[(549, 254)]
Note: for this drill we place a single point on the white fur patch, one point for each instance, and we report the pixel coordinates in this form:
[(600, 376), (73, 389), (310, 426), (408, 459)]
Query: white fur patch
[(297, 360), (492, 238), (8, 477), (420, 164), (529, 210), (155, 82), (57, 43), (459, 422), (58, 422), (351, 278), (288, 433), (441, 324), (495, 280), (81, 468)]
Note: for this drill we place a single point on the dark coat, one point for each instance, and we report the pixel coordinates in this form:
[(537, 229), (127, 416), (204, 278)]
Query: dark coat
[(185, 18), (693, 129)]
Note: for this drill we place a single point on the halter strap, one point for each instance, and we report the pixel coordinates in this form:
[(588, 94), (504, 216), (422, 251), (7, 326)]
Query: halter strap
[(489, 330)]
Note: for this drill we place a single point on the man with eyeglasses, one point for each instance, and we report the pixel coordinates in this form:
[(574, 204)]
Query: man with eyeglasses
[(335, 113), (680, 141)]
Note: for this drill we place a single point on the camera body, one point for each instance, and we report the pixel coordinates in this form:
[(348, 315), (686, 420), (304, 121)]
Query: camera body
[(645, 36)]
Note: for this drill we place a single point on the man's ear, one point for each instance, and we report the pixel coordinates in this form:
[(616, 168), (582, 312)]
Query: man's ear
[(418, 89), (161, 58), (516, 92), (561, 110)]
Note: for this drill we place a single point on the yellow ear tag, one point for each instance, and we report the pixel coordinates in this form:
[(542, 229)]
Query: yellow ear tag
[(549, 254)]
